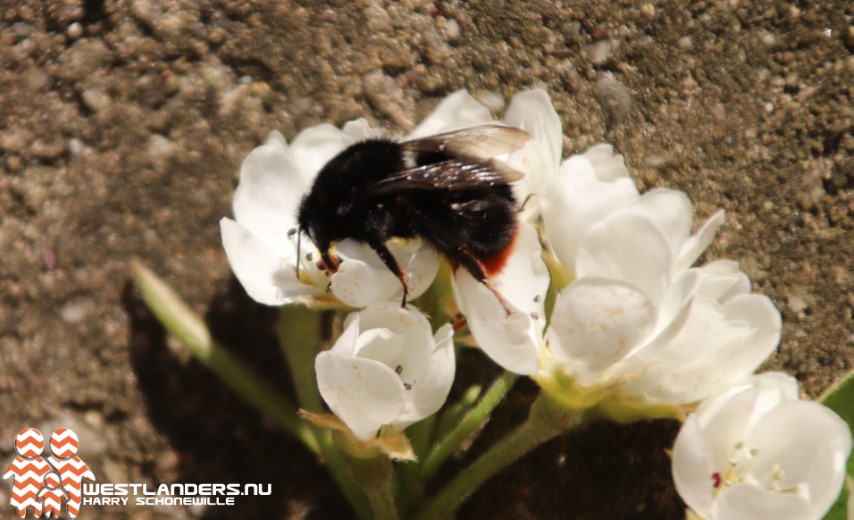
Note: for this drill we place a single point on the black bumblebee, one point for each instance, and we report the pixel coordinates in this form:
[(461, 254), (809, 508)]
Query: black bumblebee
[(446, 189)]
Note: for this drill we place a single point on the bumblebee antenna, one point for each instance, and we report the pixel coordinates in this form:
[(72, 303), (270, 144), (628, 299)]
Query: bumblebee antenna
[(299, 258)]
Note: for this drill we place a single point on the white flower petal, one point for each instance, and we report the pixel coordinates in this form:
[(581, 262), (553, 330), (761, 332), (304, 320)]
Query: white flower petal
[(430, 390), (315, 146), (539, 160), (722, 279), (596, 322), (608, 166), (716, 346), (382, 345), (419, 261), (524, 280), (269, 192), (533, 111), (357, 283), (579, 198), (746, 502), (508, 340), (630, 248), (400, 338), (727, 417), (682, 290), (671, 212), (364, 393), (740, 358), (511, 341), (358, 130), (824, 442), (696, 244), (682, 368), (639, 372), (347, 342), (276, 140), (363, 278), (267, 274), (692, 467), (459, 110)]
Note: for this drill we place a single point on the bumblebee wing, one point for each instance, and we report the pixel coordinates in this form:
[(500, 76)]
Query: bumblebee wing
[(452, 174), (475, 144)]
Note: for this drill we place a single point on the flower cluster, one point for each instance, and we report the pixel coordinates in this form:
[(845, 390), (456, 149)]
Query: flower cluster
[(637, 316), (601, 303)]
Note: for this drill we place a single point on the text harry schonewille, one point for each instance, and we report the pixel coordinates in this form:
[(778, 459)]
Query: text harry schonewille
[(171, 494)]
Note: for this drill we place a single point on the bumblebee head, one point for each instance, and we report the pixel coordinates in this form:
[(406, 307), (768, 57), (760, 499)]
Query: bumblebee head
[(311, 222)]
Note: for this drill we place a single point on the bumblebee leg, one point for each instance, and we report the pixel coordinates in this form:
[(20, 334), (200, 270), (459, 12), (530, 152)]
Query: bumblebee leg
[(391, 262), (474, 266), (459, 322), (525, 202), (330, 261)]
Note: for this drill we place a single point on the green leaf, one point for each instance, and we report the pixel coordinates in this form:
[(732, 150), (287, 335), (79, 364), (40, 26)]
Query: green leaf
[(840, 399)]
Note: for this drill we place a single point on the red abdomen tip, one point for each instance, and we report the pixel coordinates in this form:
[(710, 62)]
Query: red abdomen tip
[(495, 263)]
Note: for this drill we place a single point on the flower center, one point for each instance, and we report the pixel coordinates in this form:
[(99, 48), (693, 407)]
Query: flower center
[(739, 471), (310, 273)]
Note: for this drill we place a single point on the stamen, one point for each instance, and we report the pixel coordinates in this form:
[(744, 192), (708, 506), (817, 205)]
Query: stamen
[(739, 471)]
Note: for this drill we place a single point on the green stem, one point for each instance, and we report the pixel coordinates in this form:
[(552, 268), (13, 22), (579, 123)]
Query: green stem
[(454, 414), (183, 323), (336, 461), (546, 420), (375, 477), (299, 338), (471, 422), (299, 331)]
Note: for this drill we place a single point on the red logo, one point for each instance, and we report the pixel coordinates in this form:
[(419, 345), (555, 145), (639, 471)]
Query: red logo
[(44, 485)]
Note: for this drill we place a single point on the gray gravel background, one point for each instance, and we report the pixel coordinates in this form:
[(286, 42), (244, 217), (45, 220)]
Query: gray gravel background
[(123, 123)]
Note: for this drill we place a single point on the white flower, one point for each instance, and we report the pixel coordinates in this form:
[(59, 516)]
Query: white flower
[(387, 369), (723, 336), (757, 452), (261, 242), (637, 316), (539, 160), (513, 340), (587, 189)]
